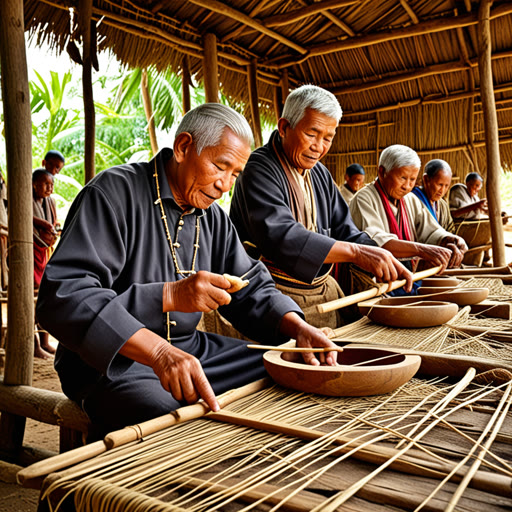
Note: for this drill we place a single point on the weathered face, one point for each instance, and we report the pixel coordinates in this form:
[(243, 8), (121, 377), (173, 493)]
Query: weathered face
[(436, 187), (355, 182), (53, 165), (474, 187), (309, 141), (399, 181), (201, 179), (43, 186)]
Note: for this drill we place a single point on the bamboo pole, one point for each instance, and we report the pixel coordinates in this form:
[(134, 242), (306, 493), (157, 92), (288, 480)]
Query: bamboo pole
[(210, 68), (85, 18), (133, 433), (491, 133), (252, 70), (148, 110), (185, 84), (373, 292), (18, 134)]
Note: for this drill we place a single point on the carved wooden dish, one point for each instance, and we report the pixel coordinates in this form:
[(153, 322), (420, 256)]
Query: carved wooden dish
[(440, 281), (461, 296), (372, 378), (420, 313)]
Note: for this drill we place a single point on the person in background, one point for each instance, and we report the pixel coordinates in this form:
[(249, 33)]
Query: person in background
[(53, 161), (288, 210), (397, 220), (354, 181), (44, 238), (464, 201), (436, 183)]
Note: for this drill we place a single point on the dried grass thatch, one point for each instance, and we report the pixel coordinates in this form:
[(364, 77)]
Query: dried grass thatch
[(405, 71)]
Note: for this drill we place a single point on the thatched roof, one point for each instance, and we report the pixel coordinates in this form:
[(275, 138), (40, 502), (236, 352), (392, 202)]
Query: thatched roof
[(405, 71)]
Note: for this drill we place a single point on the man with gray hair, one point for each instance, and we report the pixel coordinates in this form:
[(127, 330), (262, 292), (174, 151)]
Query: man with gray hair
[(396, 220), (289, 212), (143, 253)]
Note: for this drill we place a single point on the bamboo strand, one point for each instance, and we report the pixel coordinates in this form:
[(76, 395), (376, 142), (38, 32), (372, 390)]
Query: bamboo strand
[(296, 349)]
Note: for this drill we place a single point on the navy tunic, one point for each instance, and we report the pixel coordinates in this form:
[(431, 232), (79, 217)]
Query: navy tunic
[(261, 213), (105, 282)]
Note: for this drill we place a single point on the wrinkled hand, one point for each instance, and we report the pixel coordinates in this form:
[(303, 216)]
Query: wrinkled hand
[(48, 236), (457, 246), (382, 264), (182, 375), (308, 336), (435, 254), (202, 292)]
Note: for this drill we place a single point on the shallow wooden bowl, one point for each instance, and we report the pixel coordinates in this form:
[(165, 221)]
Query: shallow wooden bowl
[(373, 378), (440, 281), (421, 313), (461, 296)]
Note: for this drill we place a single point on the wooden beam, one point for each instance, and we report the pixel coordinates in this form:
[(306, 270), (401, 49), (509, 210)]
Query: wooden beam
[(18, 138), (210, 69), (221, 8), (85, 19), (422, 28), (185, 84), (253, 100), (408, 9), (491, 133), (310, 10), (285, 85)]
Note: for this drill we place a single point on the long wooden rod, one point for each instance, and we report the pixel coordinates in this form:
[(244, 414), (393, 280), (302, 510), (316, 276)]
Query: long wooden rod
[(491, 133), (133, 433), (374, 292)]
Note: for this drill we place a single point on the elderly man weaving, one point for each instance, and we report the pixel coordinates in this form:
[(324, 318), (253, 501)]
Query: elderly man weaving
[(396, 220), (288, 209), (143, 253)]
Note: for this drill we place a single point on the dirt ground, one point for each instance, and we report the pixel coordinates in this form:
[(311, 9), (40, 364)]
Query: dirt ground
[(14, 498)]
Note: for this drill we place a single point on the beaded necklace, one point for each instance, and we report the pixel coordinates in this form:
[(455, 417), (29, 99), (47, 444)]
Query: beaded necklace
[(175, 245)]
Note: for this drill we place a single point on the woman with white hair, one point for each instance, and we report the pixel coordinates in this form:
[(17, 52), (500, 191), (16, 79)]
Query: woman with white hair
[(396, 220)]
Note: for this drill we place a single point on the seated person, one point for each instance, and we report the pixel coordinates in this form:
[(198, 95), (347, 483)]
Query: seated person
[(396, 220), (464, 201), (287, 208), (142, 254), (354, 180), (436, 182), (44, 221)]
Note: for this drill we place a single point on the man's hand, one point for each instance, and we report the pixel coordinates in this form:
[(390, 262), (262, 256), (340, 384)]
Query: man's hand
[(182, 375), (203, 292), (382, 264), (307, 336), (457, 246), (435, 254)]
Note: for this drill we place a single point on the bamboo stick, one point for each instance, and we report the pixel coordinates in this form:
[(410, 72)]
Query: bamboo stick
[(296, 349), (505, 270), (373, 292), (133, 433)]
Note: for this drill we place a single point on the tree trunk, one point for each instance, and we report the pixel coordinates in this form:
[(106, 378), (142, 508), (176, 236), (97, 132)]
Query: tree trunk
[(491, 133), (148, 110)]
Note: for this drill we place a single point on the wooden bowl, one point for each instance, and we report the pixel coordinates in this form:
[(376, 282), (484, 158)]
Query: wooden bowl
[(461, 296), (372, 378), (420, 313), (440, 281)]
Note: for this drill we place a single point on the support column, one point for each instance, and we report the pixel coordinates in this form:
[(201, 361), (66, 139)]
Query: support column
[(253, 99), (85, 18), (285, 85), (148, 111), (18, 137), (185, 84), (491, 133), (210, 68)]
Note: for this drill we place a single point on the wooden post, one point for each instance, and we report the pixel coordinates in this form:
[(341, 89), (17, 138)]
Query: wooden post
[(491, 133), (148, 111), (278, 102), (85, 17), (253, 99), (210, 68), (185, 84), (285, 85), (18, 138)]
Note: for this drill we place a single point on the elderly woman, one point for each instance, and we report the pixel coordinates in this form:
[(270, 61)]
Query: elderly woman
[(396, 220), (436, 182), (464, 201)]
